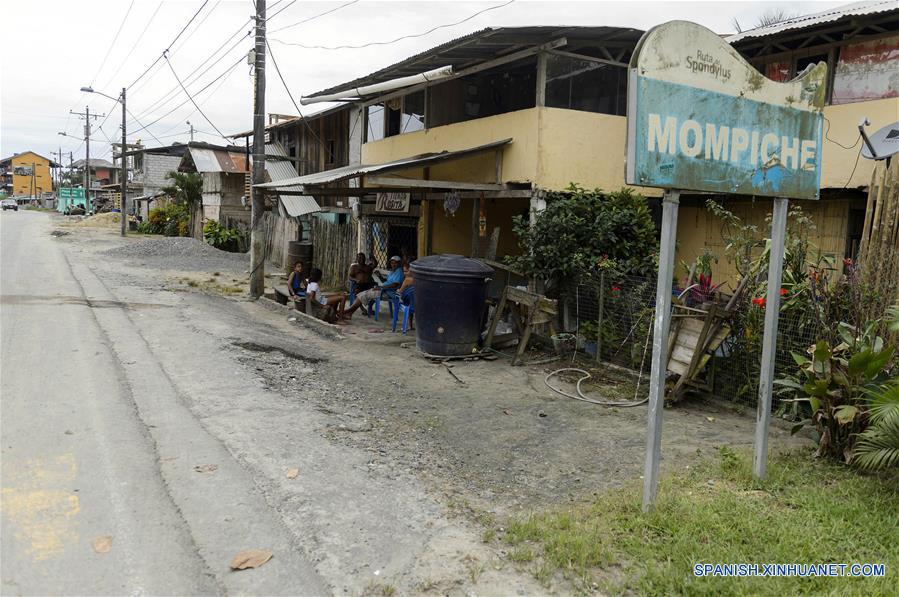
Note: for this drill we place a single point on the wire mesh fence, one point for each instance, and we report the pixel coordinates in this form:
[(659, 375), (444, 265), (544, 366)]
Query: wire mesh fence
[(612, 318)]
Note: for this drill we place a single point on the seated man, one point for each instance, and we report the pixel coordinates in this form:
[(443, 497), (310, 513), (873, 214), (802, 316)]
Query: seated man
[(393, 282), (360, 274)]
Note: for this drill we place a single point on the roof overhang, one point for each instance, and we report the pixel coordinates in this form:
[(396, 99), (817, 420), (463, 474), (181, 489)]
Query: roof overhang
[(310, 183)]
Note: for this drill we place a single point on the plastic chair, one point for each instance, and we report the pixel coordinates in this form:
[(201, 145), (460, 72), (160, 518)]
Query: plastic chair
[(353, 285), (407, 310), (389, 296)]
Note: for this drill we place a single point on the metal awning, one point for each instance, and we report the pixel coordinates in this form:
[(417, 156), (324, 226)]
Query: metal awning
[(348, 172), (281, 169), (218, 160)]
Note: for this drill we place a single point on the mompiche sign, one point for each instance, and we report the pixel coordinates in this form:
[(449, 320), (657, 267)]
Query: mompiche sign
[(701, 118)]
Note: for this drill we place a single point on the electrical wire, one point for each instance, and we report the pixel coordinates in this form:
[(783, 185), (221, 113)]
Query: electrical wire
[(307, 19), (173, 92), (203, 114), (826, 136), (295, 105), (134, 47), (289, 4), (180, 33), (212, 93), (225, 73), (858, 155), (395, 40), (111, 45), (580, 394), (143, 128), (174, 48)]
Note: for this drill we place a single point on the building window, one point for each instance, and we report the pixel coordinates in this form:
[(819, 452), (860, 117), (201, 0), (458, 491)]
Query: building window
[(413, 116), (585, 85), (374, 123)]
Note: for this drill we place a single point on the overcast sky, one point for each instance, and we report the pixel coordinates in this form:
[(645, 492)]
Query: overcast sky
[(53, 48)]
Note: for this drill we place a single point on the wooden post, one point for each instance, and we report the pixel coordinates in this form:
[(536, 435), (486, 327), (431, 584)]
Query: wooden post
[(659, 340), (769, 341)]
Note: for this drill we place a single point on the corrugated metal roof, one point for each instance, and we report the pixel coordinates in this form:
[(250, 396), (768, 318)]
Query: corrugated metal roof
[(217, 160), (488, 44), (278, 170), (347, 172), (835, 14)]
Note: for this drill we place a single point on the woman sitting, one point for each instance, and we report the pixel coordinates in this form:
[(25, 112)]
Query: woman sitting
[(333, 305)]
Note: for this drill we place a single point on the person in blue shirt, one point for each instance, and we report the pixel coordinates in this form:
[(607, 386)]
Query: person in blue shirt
[(393, 282), (296, 282)]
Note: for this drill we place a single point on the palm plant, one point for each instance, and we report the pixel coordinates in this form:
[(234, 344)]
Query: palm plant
[(187, 188), (878, 446)]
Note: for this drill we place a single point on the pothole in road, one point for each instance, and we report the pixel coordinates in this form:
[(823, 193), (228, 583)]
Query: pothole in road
[(272, 349)]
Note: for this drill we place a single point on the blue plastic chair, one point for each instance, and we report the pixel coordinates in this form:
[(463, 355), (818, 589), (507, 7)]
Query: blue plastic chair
[(387, 295), (353, 285), (407, 310)]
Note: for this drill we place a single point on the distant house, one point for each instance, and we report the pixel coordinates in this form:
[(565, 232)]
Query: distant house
[(226, 177), (102, 172), (150, 174), (26, 174)]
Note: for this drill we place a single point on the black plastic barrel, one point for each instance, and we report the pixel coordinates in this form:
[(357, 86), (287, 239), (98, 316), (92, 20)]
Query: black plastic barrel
[(298, 251), (450, 293)]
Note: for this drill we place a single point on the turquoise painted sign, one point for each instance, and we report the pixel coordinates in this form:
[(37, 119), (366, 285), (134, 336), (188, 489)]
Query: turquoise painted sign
[(68, 197), (701, 118)]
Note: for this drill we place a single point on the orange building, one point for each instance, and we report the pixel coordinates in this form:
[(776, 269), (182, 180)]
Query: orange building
[(26, 174)]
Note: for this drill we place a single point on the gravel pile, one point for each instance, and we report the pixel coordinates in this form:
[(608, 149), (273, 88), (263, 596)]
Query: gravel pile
[(180, 253)]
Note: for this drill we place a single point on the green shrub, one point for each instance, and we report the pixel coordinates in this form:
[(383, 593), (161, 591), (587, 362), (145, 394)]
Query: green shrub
[(221, 237), (581, 231)]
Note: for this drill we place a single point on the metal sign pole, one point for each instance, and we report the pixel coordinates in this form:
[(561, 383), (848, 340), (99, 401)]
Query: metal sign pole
[(670, 204), (769, 342)]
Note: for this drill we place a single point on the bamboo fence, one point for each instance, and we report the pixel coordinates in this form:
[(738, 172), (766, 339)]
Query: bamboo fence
[(334, 249)]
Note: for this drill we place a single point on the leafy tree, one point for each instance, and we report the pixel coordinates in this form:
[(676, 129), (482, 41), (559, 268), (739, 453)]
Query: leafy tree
[(186, 188), (581, 231)]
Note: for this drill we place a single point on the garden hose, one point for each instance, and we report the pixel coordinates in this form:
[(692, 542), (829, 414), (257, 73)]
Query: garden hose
[(580, 395)]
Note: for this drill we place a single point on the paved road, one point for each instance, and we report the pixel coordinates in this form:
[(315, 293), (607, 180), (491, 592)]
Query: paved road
[(91, 445)]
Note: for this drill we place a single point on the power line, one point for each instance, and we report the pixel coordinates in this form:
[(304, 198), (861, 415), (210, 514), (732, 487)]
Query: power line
[(203, 114), (395, 40), (289, 4), (172, 93), (290, 95), (225, 73), (114, 39), (180, 33), (136, 43), (306, 20), (143, 128), (214, 91), (172, 48)]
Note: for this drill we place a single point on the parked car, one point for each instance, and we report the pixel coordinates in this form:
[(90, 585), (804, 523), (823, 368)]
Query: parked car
[(9, 204)]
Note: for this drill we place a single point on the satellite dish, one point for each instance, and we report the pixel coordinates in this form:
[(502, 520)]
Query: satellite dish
[(885, 142)]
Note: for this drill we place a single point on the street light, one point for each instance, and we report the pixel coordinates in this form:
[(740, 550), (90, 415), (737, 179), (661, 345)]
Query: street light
[(121, 100)]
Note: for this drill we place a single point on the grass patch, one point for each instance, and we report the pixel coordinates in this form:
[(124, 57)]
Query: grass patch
[(806, 511)]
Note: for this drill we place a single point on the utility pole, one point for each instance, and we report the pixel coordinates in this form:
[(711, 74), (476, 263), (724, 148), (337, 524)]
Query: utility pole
[(122, 154), (87, 153), (58, 180), (191, 131), (257, 244)]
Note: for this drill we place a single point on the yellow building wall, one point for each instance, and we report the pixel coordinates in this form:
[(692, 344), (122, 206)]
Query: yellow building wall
[(698, 229), (24, 185), (838, 162), (583, 147)]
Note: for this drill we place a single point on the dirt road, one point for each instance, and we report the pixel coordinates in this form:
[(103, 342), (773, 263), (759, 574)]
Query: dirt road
[(130, 411)]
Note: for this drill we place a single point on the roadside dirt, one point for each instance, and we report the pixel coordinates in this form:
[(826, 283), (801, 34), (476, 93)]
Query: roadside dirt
[(415, 463)]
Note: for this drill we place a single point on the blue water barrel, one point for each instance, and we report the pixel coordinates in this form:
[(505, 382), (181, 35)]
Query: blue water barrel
[(450, 303)]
